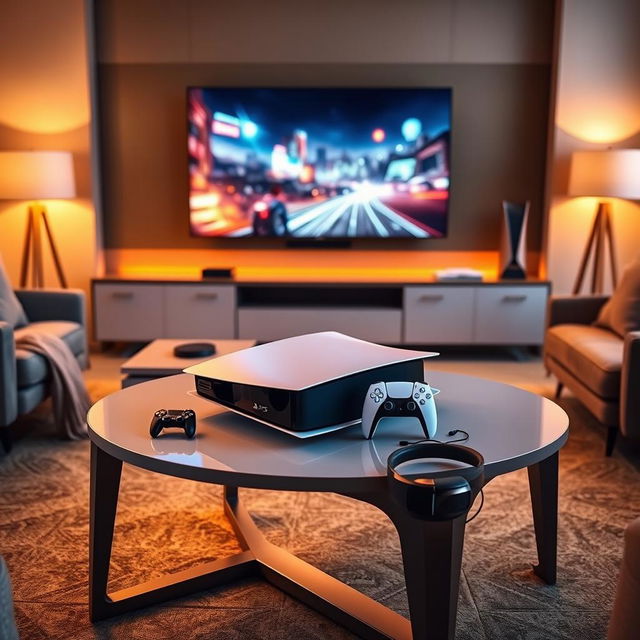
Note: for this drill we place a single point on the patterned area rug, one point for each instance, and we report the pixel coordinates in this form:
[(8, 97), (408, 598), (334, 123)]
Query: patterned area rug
[(166, 524)]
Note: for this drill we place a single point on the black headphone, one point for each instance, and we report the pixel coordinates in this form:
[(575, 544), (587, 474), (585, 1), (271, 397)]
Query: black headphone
[(437, 495)]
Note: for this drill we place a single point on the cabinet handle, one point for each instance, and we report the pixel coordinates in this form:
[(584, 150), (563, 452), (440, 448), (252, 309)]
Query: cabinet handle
[(431, 297), (513, 298), (122, 295), (206, 296)]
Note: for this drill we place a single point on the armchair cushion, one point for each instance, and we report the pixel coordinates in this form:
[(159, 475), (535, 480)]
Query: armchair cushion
[(591, 354), (622, 312), (32, 368), (574, 309), (53, 304), (11, 310)]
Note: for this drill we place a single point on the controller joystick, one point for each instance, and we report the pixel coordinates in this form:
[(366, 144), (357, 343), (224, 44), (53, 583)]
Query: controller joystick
[(399, 400), (173, 418)]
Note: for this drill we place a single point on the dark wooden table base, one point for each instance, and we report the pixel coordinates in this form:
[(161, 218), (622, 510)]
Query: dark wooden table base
[(431, 551)]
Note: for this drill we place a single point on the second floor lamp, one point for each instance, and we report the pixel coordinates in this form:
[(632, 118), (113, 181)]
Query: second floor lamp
[(612, 173)]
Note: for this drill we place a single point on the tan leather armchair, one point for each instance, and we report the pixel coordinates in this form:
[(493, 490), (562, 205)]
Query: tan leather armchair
[(625, 618), (597, 365)]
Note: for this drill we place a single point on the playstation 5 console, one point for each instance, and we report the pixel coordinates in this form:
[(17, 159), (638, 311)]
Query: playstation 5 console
[(305, 383)]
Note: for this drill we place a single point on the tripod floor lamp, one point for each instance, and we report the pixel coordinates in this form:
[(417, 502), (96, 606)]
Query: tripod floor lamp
[(35, 176), (612, 173)]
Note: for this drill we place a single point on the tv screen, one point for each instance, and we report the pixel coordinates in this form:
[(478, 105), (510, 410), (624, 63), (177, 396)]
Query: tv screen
[(319, 163)]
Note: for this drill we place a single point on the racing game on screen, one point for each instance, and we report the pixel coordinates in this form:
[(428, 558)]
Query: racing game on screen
[(319, 163)]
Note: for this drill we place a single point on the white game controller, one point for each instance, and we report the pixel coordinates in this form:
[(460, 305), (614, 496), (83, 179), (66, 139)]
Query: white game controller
[(399, 400)]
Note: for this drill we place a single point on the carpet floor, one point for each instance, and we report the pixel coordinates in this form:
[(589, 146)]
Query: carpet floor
[(166, 524)]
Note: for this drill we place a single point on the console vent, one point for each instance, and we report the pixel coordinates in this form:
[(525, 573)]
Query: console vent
[(203, 385)]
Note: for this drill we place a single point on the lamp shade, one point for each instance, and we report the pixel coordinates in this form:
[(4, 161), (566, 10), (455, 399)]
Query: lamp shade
[(614, 173), (36, 175)]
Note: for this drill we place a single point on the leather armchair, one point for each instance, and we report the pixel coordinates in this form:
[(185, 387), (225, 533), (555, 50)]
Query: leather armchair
[(601, 368), (24, 376), (625, 618)]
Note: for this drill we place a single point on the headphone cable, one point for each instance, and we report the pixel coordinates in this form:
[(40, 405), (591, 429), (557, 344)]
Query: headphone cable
[(477, 513), (453, 432)]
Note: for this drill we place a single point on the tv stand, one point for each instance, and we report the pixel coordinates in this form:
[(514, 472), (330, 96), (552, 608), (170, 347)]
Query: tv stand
[(389, 312)]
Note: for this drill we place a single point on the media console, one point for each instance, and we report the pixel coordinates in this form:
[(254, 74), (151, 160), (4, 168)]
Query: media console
[(388, 312)]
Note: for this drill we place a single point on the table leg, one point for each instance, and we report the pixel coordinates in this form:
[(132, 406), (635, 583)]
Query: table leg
[(543, 486), (432, 558), (105, 486)]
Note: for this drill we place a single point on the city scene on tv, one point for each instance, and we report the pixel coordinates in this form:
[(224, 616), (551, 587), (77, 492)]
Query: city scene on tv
[(319, 163)]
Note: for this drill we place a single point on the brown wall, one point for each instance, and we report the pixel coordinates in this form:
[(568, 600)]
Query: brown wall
[(498, 143), (597, 107), (44, 105), (495, 55)]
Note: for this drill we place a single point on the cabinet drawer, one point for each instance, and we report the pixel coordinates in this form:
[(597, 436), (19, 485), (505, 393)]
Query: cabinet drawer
[(130, 312), (199, 311), (510, 315), (438, 315), (270, 323)]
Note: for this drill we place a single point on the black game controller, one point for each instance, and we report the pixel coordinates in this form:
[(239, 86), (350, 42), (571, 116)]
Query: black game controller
[(170, 418)]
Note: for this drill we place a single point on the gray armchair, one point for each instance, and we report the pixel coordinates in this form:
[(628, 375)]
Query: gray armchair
[(24, 376), (8, 630), (597, 365)]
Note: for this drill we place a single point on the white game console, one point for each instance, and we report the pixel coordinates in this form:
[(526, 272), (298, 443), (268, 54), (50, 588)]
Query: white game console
[(305, 384)]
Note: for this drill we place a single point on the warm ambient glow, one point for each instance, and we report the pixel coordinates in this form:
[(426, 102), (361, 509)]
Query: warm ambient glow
[(602, 112), (36, 175), (289, 274), (295, 265), (612, 173)]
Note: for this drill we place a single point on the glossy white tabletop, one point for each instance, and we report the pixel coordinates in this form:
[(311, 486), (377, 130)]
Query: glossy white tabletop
[(510, 427)]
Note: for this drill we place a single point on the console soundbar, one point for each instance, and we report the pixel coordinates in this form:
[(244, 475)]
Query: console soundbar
[(307, 382)]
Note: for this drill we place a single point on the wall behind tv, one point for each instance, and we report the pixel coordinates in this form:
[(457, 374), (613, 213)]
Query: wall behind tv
[(495, 55)]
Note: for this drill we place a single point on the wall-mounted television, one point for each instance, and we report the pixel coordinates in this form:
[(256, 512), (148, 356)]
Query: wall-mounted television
[(319, 163)]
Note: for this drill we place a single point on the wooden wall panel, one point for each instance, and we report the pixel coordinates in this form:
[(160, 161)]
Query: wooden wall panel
[(326, 31), (502, 31), (498, 143), (330, 31)]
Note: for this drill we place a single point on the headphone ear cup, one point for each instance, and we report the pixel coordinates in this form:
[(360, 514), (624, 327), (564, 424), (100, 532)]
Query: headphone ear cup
[(439, 499), (453, 497), (445, 495)]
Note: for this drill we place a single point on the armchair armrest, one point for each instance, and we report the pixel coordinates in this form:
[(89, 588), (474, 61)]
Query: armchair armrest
[(625, 617), (573, 309), (629, 386), (53, 304), (8, 376)]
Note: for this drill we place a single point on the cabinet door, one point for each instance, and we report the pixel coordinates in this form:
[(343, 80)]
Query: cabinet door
[(200, 311), (438, 315), (129, 312), (510, 315)]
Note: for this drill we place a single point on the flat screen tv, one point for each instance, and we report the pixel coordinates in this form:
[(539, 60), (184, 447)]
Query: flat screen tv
[(335, 163)]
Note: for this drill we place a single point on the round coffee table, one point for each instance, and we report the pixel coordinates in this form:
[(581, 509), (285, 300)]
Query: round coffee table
[(512, 429)]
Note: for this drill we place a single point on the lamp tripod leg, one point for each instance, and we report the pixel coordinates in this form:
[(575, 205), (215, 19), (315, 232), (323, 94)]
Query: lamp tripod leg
[(28, 239), (598, 260), (54, 251), (37, 276), (582, 270), (612, 250)]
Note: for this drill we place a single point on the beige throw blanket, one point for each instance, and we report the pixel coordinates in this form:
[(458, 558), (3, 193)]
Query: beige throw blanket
[(70, 398)]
